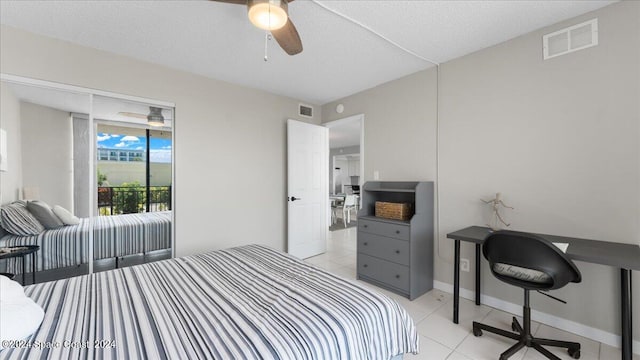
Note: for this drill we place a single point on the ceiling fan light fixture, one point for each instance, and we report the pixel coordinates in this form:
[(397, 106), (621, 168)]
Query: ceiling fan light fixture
[(155, 117), (268, 14)]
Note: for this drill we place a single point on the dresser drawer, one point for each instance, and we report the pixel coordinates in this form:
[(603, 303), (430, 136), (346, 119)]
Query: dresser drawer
[(384, 247), (384, 228), (384, 271)]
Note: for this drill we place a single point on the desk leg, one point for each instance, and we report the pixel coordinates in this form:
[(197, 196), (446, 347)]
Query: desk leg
[(456, 281), (477, 274), (24, 271), (33, 267), (627, 327)]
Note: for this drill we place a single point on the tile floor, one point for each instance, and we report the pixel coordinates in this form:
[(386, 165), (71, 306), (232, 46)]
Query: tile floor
[(440, 338)]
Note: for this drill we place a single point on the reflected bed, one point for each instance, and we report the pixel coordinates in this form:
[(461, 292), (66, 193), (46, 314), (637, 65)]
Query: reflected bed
[(113, 236)]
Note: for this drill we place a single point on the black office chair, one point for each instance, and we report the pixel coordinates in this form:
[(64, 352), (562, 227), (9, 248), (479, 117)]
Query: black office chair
[(532, 263)]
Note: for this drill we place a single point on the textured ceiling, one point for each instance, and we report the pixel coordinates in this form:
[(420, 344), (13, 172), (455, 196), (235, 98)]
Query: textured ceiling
[(339, 57)]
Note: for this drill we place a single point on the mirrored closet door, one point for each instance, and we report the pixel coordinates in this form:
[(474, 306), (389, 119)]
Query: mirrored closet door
[(39, 182), (86, 180)]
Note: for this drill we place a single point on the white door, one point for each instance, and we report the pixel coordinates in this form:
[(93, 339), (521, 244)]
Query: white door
[(308, 188)]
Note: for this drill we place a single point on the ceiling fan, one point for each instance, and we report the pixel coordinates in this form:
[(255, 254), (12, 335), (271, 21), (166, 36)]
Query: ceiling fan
[(272, 15)]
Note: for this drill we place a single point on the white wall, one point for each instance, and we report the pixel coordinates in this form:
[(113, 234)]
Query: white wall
[(400, 126), (226, 194), (559, 138), (11, 180), (119, 172), (47, 153)]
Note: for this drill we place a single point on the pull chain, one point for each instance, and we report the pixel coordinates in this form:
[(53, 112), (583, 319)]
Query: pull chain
[(267, 37)]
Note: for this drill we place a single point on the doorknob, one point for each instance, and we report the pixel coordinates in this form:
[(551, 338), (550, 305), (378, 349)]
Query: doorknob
[(293, 198)]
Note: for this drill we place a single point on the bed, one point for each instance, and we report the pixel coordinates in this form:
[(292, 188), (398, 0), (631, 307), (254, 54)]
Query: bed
[(113, 236), (248, 302)]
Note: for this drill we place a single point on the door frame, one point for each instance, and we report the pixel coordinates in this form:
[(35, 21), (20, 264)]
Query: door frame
[(349, 120)]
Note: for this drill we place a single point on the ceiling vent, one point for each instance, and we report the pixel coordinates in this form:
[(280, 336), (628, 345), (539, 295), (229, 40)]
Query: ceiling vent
[(305, 110), (568, 40)]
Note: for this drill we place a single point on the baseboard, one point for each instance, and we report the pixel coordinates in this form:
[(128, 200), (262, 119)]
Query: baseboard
[(543, 318)]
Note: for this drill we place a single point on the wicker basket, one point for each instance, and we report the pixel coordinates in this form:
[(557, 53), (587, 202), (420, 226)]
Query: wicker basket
[(396, 211)]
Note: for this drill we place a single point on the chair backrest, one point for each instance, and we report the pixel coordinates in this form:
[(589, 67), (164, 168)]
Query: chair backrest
[(349, 200), (528, 261)]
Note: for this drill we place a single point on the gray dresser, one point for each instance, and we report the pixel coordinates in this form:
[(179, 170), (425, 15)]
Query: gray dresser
[(393, 254)]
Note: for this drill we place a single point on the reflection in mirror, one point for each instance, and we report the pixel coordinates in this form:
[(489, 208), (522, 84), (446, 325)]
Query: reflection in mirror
[(133, 170), (56, 142), (39, 184)]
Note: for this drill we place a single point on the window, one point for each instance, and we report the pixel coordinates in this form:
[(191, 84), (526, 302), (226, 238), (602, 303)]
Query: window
[(103, 155)]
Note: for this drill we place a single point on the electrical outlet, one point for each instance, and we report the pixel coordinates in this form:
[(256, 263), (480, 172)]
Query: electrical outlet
[(464, 265)]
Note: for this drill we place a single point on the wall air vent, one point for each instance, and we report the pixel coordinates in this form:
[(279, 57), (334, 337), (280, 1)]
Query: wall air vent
[(305, 110), (568, 40)]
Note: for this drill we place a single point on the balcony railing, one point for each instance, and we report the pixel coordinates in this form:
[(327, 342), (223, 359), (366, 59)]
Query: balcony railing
[(114, 200)]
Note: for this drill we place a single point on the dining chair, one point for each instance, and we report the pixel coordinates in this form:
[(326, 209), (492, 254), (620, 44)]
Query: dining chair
[(335, 206), (350, 203)]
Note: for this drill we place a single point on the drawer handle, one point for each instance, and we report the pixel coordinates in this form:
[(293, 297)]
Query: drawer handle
[(397, 231), (397, 276), (365, 243), (365, 265), (397, 251)]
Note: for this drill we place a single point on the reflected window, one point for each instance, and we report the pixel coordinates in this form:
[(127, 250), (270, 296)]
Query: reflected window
[(127, 184)]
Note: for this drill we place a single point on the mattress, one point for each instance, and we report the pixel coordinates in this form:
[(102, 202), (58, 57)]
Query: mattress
[(113, 236), (249, 302)]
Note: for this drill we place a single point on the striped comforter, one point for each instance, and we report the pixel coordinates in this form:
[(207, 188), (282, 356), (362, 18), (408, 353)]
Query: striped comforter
[(248, 302), (113, 236)]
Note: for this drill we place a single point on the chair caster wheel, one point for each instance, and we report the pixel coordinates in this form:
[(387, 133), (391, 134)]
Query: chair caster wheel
[(574, 353), (477, 332)]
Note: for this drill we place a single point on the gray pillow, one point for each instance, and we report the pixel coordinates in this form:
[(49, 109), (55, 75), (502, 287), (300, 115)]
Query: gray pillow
[(17, 220), (65, 215), (41, 211)]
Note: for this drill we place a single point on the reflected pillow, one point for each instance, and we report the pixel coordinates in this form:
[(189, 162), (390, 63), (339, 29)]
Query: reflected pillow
[(65, 216), (44, 214), (17, 220)]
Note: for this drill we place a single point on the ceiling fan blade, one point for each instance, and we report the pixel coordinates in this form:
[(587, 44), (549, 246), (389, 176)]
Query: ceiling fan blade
[(132, 114), (238, 2), (288, 38)]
